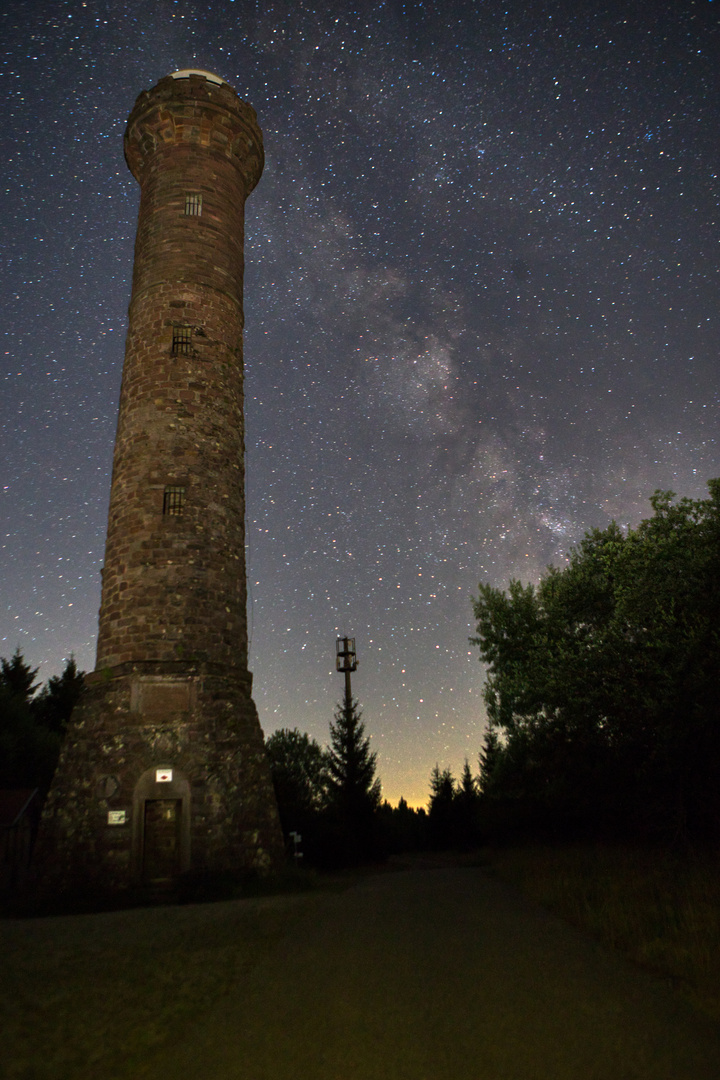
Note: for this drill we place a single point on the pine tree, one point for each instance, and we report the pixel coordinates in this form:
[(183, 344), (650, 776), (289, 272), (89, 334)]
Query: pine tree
[(441, 815), (488, 759), (353, 788), (466, 807), (17, 678), (28, 751), (54, 704), (468, 785)]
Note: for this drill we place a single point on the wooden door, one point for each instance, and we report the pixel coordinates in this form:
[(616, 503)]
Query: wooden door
[(161, 846)]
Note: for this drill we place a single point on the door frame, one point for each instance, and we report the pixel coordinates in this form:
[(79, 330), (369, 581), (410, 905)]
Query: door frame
[(149, 788)]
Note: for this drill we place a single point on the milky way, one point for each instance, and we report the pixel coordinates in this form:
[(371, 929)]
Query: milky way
[(481, 307)]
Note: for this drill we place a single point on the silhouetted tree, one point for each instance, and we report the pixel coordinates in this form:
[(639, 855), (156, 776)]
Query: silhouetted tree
[(488, 759), (402, 827), (53, 706), (466, 806), (353, 789), (17, 678), (29, 748), (441, 817), (299, 771), (467, 787), (605, 681)]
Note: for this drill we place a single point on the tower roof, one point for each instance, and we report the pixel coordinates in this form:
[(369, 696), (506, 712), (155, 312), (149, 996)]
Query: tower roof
[(187, 72)]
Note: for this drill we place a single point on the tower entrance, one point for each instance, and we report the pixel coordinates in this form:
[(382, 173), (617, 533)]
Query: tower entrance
[(161, 825), (161, 839)]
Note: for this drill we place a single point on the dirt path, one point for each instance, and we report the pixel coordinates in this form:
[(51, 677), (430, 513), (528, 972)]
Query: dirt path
[(433, 974)]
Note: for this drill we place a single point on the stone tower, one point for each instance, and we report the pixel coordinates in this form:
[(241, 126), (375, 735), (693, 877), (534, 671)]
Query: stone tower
[(164, 769)]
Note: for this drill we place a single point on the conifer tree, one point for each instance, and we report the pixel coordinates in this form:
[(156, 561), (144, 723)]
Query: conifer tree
[(54, 704), (466, 806), (441, 815), (488, 759), (17, 678), (353, 788), (28, 750)]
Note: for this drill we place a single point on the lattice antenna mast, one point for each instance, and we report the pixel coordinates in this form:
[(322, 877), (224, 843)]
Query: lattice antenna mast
[(346, 661)]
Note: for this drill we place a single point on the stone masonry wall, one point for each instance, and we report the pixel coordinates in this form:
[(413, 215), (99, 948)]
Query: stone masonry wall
[(171, 690), (205, 728), (174, 586)]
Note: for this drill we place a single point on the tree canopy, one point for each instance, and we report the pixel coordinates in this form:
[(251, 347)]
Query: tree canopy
[(32, 724), (603, 680), (299, 771)]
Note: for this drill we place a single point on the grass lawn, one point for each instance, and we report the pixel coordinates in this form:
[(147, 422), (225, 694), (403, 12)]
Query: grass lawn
[(88, 995), (662, 910)]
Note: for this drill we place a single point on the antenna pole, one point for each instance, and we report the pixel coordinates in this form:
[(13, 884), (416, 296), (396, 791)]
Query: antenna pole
[(346, 661)]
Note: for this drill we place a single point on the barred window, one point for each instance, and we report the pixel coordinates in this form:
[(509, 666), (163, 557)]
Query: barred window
[(193, 205), (182, 341), (174, 501)]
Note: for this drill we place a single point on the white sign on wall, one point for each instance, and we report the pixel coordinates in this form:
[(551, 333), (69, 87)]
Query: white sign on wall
[(117, 817), (163, 776)]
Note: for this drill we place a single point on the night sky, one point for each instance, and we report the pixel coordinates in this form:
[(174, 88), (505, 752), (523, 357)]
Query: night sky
[(481, 306)]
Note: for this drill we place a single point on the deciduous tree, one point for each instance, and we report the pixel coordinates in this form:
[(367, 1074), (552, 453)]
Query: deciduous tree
[(605, 677), (299, 772)]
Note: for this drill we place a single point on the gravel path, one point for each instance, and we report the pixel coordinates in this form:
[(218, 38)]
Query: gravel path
[(433, 974)]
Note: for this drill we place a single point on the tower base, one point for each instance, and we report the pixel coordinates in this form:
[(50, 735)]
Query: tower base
[(163, 775)]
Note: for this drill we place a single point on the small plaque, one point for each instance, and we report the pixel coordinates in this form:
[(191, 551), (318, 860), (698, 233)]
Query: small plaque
[(163, 776), (161, 699), (117, 817)]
